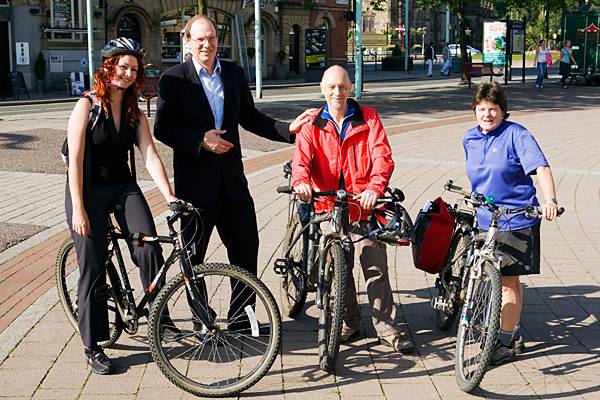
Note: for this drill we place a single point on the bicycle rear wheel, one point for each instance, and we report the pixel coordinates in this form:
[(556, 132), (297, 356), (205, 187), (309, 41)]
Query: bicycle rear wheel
[(334, 301), (67, 281), (444, 319), (293, 283), (478, 329), (236, 353)]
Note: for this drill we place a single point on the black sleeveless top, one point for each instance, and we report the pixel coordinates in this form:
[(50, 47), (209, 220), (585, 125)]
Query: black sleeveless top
[(110, 151)]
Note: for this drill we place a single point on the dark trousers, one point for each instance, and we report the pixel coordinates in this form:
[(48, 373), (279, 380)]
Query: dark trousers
[(92, 250), (235, 221), (565, 71)]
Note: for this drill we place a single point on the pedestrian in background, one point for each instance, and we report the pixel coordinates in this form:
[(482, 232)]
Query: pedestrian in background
[(566, 61), (447, 58), (429, 57), (541, 57)]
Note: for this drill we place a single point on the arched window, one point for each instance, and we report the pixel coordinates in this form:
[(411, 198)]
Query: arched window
[(129, 27), (224, 23)]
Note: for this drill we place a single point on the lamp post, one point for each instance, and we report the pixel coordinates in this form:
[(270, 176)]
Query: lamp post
[(554, 35), (423, 32)]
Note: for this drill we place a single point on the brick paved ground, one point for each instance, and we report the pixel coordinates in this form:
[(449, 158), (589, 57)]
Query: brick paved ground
[(41, 358)]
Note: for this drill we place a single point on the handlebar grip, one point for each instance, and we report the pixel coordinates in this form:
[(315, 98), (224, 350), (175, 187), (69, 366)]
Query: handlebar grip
[(180, 207), (451, 187), (560, 211), (285, 189)]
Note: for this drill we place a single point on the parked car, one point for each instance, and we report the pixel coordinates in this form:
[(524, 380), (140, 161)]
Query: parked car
[(455, 50)]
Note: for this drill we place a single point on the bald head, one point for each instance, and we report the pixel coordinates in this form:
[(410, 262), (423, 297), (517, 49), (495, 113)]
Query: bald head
[(335, 86), (336, 73)]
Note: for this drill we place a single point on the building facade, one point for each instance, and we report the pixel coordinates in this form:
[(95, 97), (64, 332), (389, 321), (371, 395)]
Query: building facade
[(58, 30)]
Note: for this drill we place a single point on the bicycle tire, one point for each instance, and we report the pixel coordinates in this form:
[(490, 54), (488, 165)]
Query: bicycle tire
[(334, 301), (469, 380), (67, 281), (180, 314), (293, 283), (444, 320)]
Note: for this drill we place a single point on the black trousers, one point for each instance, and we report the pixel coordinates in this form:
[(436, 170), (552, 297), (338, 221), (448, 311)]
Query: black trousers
[(92, 250), (565, 71), (235, 221)]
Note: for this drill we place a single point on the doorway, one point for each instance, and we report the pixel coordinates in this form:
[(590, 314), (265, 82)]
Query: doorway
[(294, 56)]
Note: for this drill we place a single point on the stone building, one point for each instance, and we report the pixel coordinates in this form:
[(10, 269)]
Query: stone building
[(58, 29)]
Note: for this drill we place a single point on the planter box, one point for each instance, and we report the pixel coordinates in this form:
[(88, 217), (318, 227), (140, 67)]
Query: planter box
[(395, 64)]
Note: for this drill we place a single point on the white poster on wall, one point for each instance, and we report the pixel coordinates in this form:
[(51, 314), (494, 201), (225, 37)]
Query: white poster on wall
[(56, 63), (22, 53)]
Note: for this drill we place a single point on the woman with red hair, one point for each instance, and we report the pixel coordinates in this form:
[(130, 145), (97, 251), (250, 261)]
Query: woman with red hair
[(100, 180)]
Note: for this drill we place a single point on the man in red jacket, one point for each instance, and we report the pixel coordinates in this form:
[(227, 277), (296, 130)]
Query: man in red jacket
[(346, 146)]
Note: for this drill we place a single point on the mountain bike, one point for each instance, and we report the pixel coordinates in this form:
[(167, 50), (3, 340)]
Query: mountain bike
[(212, 349), (469, 285), (313, 260)]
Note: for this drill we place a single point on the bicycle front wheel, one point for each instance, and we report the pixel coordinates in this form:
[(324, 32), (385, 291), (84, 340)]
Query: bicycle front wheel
[(66, 271), (478, 329), (229, 357), (334, 301), (293, 283)]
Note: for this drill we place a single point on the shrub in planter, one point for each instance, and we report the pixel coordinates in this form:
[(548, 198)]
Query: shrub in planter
[(395, 62), (39, 69)]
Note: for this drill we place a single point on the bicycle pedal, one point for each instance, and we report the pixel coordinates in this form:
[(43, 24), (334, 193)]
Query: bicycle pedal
[(281, 266)]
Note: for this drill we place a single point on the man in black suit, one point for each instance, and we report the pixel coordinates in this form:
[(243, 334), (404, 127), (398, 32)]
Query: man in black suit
[(200, 104)]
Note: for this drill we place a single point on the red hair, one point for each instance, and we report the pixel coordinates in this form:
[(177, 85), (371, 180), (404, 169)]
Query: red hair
[(102, 79)]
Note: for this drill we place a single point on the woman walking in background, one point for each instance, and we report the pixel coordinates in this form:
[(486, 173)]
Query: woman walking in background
[(541, 57)]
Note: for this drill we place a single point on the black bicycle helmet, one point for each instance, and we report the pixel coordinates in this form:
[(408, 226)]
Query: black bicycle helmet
[(121, 45)]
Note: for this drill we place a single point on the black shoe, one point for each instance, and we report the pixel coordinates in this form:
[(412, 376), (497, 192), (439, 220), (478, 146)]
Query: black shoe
[(200, 330), (98, 361), (519, 345), (168, 331), (502, 354)]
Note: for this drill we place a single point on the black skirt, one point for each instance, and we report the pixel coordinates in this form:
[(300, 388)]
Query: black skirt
[(520, 251)]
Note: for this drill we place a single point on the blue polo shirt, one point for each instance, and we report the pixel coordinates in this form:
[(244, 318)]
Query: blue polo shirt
[(341, 131), (500, 163)]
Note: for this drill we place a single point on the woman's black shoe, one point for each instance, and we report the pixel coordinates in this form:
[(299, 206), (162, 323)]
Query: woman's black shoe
[(98, 361)]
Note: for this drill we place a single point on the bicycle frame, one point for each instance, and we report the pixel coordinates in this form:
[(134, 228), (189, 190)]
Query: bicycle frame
[(125, 301)]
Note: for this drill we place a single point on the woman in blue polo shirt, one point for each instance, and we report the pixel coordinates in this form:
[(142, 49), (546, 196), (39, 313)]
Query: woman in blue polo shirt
[(501, 157)]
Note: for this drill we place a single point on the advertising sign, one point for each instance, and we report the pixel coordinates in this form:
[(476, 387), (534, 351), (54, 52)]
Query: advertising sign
[(22, 53), (56, 63), (494, 42), (518, 37), (316, 47), (61, 10)]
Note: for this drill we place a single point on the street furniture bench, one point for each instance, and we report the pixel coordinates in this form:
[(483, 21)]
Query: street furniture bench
[(472, 70), (149, 91)]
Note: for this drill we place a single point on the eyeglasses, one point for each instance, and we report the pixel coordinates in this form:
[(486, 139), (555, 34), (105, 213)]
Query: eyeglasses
[(198, 41)]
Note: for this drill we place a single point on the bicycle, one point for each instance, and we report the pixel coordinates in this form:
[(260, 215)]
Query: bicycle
[(469, 283), (206, 353), (313, 260)]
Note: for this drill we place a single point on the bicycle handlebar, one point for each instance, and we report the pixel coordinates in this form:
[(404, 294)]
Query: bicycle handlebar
[(477, 199)]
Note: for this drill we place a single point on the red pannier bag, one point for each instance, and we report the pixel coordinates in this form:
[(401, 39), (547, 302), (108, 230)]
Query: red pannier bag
[(431, 236)]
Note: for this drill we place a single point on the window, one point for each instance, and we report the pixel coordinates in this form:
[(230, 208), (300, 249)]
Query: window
[(64, 16), (369, 23), (224, 25)]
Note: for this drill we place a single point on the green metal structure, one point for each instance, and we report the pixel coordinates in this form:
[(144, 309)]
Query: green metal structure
[(582, 28)]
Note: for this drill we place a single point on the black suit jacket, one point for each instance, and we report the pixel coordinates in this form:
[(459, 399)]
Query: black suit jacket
[(184, 115)]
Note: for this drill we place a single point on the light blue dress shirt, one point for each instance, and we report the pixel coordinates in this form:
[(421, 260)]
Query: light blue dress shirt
[(213, 88)]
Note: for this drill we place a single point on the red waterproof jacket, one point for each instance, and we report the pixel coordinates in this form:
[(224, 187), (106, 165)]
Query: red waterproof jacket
[(364, 157)]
